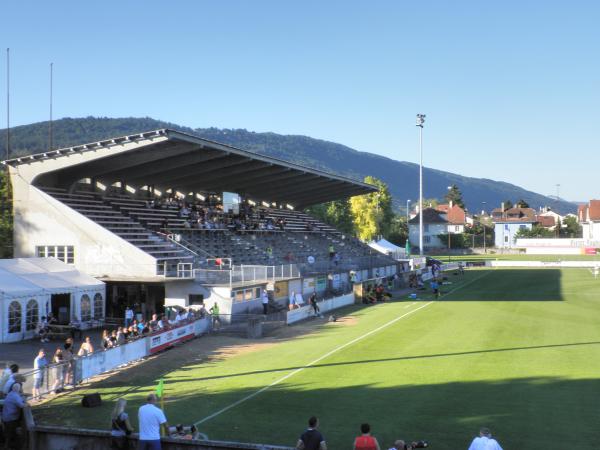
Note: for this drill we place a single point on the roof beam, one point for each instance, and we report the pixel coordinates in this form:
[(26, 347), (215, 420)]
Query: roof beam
[(172, 177), (307, 185), (325, 196), (166, 161), (196, 180)]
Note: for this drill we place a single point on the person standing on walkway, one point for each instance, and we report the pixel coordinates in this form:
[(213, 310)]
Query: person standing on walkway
[(128, 316), (313, 302), (151, 418), (214, 311), (265, 301), (312, 439), (39, 365)]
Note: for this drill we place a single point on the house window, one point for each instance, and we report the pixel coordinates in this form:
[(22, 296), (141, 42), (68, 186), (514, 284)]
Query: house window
[(522, 227), (32, 315), (86, 308), (427, 239), (506, 239), (98, 306), (64, 253), (14, 317), (457, 228), (426, 227)]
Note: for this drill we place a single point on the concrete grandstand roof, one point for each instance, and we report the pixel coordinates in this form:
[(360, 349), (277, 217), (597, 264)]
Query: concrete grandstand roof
[(172, 159)]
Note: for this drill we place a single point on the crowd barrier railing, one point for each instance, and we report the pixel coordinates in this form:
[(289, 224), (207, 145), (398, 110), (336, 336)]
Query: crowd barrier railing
[(56, 377)]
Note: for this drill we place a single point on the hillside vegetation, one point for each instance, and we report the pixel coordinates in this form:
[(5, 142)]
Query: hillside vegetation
[(401, 177)]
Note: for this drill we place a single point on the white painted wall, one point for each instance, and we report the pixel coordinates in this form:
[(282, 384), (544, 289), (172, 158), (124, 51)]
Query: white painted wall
[(40, 219), (432, 231)]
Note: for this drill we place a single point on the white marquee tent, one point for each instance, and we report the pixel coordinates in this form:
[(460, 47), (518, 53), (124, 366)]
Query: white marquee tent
[(387, 248), (34, 287)]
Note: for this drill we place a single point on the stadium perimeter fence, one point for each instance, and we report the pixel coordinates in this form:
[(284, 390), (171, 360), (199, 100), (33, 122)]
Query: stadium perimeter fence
[(59, 376)]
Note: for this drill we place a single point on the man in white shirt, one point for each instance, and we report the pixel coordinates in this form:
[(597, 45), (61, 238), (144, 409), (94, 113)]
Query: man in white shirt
[(485, 441), (128, 316), (150, 418)]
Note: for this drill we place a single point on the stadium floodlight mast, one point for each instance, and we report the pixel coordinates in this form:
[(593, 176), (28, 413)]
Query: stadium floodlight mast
[(420, 122)]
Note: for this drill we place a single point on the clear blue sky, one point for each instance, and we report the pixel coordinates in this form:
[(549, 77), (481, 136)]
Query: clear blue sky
[(511, 89)]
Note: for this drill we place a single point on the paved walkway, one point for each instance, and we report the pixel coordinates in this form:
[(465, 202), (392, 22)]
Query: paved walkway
[(23, 353)]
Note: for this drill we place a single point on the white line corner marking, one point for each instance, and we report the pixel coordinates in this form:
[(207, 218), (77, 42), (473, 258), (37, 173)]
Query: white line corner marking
[(312, 363)]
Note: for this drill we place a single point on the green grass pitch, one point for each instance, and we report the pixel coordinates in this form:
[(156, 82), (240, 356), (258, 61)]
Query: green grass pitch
[(516, 350)]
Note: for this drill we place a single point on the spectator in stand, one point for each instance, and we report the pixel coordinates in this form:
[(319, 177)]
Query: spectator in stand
[(106, 344), (120, 427), (113, 338), (13, 370), (11, 416), (86, 347), (311, 439), (120, 336), (128, 316), (265, 301), (484, 441), (154, 323), (150, 419), (39, 366), (331, 250), (203, 313), (365, 441)]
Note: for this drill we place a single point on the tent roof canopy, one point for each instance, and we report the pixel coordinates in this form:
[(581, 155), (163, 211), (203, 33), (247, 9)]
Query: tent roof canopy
[(33, 276), (168, 159)]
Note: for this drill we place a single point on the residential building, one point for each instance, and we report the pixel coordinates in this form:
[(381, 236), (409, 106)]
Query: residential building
[(434, 224), (456, 217), (589, 218), (507, 224)]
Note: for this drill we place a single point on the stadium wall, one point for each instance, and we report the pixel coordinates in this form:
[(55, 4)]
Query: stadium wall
[(559, 246), (40, 219)]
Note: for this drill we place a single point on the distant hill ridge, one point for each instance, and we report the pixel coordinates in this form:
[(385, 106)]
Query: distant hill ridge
[(401, 177)]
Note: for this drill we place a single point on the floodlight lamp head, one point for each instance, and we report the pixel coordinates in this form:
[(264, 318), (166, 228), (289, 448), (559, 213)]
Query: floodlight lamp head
[(420, 120)]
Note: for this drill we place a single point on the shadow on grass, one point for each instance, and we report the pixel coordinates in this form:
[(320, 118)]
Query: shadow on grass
[(516, 285), (530, 413)]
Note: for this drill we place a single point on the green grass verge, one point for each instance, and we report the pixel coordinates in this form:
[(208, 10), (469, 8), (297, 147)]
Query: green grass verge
[(515, 350)]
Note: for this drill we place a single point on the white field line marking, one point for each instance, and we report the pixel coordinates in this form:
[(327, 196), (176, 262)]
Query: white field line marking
[(312, 363)]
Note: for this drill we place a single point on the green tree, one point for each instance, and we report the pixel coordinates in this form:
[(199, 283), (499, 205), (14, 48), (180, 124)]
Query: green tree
[(537, 231), (507, 204), (336, 213), (455, 196), (571, 228), (6, 216), (398, 233), (522, 204), (372, 213)]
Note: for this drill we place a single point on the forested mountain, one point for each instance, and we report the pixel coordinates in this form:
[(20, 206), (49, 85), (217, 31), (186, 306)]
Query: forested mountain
[(401, 177)]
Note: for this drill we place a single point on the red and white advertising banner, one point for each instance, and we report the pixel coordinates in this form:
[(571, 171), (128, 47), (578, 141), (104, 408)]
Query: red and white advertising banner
[(171, 337)]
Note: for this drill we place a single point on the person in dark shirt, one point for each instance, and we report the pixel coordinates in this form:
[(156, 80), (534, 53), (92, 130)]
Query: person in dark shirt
[(311, 439)]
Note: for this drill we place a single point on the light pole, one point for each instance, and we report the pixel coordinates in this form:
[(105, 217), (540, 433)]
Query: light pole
[(420, 122), (448, 229), (407, 211), (482, 223)]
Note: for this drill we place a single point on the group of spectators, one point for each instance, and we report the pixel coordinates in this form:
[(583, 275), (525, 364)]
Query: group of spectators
[(313, 439), (211, 216)]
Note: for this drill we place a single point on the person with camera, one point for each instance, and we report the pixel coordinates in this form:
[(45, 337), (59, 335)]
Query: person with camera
[(401, 445), (484, 441)]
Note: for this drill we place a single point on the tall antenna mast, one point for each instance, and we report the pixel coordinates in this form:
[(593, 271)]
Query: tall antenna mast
[(7, 103), (50, 123)]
